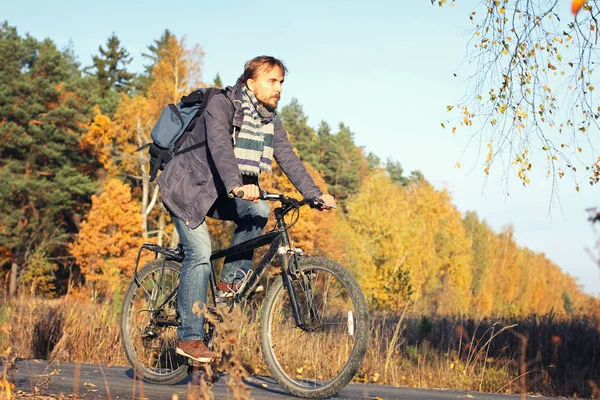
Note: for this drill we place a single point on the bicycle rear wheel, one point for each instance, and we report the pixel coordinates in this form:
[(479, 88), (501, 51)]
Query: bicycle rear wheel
[(321, 355), (149, 322)]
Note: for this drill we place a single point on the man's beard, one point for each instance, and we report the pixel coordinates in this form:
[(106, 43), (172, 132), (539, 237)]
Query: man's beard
[(271, 105)]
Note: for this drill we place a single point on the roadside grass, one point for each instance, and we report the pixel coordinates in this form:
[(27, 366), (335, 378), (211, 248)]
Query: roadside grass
[(539, 354)]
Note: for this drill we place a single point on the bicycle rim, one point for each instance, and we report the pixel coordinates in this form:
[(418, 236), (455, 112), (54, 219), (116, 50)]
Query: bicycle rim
[(320, 356), (151, 319)]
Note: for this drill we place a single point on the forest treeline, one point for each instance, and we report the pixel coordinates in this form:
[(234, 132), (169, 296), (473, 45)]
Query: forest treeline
[(76, 202)]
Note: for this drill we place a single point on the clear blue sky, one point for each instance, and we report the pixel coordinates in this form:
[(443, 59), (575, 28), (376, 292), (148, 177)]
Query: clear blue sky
[(384, 68)]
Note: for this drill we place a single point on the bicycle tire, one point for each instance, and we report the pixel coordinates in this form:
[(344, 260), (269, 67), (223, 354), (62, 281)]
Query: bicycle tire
[(140, 336), (292, 364)]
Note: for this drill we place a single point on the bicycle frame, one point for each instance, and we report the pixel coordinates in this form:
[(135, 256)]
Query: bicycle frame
[(280, 241)]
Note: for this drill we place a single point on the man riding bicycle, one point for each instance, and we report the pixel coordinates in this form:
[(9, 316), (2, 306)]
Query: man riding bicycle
[(243, 134)]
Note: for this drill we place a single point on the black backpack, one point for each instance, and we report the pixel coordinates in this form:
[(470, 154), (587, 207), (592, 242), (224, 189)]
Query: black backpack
[(173, 126)]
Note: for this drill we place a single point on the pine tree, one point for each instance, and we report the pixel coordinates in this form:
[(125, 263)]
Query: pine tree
[(217, 82), (111, 67), (373, 161), (342, 162), (302, 136), (344, 178), (42, 115), (394, 170)]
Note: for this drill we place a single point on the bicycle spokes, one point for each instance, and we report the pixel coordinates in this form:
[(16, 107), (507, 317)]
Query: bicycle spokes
[(153, 321), (316, 351)]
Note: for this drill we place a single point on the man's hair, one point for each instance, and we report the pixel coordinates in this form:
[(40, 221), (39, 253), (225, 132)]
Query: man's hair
[(257, 64)]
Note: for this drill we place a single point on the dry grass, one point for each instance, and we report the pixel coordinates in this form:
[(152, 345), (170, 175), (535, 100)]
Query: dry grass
[(59, 331), (538, 354)]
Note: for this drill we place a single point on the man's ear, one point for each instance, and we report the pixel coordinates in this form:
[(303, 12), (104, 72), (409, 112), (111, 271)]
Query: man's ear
[(250, 84)]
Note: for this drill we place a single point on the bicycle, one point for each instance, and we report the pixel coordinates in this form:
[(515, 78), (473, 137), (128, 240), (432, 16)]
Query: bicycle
[(313, 325)]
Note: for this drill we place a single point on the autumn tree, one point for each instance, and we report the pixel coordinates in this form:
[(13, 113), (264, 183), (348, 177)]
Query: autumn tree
[(145, 79), (375, 242), (481, 239), (114, 141), (107, 244), (43, 112), (531, 93)]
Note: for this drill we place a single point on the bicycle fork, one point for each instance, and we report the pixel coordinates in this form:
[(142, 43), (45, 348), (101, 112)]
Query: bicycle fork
[(289, 272)]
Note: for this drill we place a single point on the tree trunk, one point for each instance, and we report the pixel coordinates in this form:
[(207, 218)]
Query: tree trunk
[(12, 286), (161, 227), (145, 180), (145, 195)]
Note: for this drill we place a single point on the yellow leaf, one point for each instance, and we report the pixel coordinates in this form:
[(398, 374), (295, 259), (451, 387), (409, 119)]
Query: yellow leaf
[(457, 165), (505, 52)]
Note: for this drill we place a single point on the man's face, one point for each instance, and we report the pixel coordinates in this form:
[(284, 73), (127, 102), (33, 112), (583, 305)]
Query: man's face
[(267, 87)]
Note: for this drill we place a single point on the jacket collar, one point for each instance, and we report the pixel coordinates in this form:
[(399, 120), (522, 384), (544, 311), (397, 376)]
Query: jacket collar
[(234, 93)]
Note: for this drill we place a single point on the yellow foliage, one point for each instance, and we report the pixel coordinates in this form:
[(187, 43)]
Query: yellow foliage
[(99, 138), (134, 120), (107, 244), (408, 242), (177, 72)]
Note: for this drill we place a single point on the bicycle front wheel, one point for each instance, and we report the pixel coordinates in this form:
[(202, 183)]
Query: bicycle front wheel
[(149, 322), (319, 356)]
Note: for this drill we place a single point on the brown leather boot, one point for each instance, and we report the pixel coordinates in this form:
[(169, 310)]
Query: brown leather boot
[(196, 350)]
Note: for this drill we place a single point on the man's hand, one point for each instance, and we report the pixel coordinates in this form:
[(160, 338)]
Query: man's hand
[(251, 192), (328, 200)]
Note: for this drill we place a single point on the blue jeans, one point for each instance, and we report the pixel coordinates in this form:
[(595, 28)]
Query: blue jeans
[(250, 219)]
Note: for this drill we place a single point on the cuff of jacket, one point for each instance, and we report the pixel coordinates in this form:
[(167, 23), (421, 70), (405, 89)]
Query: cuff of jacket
[(313, 192), (229, 186)]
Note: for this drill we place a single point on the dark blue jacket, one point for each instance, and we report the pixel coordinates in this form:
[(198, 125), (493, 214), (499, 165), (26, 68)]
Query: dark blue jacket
[(192, 181)]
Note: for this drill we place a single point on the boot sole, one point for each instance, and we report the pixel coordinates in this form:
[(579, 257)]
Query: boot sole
[(199, 359)]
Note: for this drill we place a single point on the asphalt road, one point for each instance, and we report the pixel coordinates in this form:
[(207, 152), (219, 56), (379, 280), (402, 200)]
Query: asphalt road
[(96, 381)]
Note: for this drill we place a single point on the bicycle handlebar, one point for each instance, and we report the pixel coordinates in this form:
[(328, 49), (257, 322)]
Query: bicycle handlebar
[(312, 202)]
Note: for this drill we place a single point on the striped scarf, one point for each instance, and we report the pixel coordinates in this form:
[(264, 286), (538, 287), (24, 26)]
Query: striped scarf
[(254, 144)]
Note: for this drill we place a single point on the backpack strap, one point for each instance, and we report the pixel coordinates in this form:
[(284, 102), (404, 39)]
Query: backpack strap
[(159, 155), (193, 124)]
